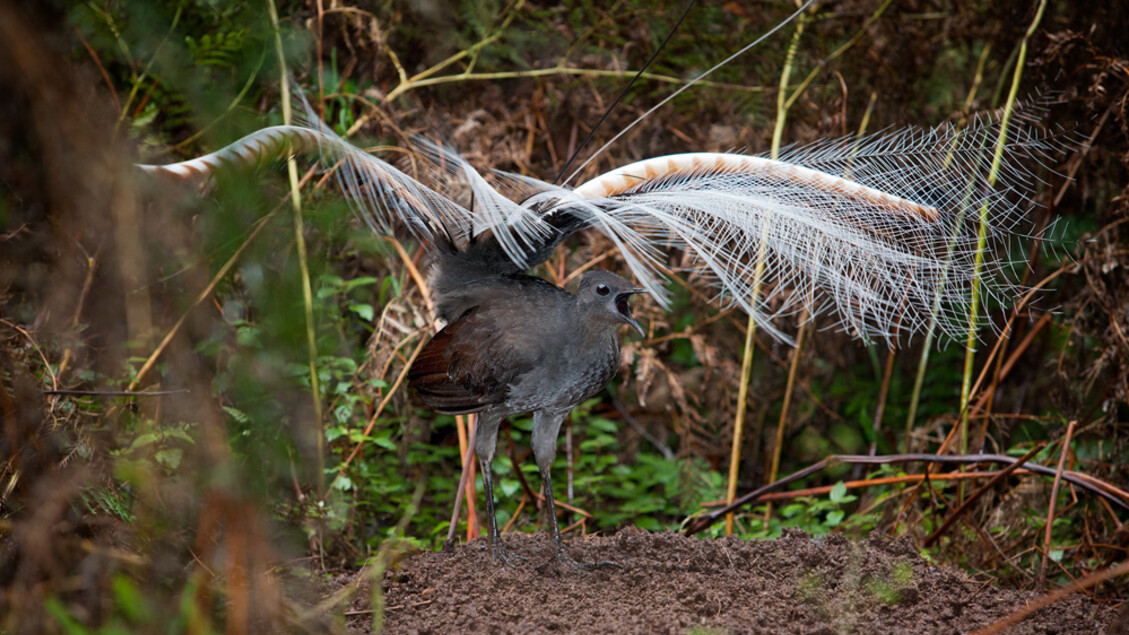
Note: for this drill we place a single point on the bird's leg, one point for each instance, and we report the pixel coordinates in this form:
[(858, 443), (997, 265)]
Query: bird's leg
[(554, 528), (485, 440), (546, 425)]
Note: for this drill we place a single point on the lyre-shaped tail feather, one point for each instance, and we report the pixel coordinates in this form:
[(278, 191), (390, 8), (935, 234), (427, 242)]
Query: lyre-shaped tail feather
[(879, 233), (258, 147), (389, 197), (383, 196)]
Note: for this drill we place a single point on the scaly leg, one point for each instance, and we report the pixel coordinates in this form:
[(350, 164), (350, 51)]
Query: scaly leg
[(546, 426), (485, 440)]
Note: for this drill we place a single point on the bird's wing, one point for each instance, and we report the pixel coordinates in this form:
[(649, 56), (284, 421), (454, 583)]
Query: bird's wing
[(472, 362)]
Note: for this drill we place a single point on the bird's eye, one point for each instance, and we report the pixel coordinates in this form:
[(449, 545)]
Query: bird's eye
[(602, 289)]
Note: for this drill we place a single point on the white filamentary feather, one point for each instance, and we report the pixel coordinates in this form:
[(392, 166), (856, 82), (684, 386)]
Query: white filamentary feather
[(893, 242), (880, 234)]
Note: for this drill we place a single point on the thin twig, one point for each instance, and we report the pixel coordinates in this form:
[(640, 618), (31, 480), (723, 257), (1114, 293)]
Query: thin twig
[(663, 448), (206, 292), (303, 258), (782, 422), (31, 340), (1087, 582), (758, 279), (823, 490), (1041, 576), (923, 361), (1004, 473), (118, 393), (1097, 486), (101, 69), (466, 450), (982, 238), (517, 513), (413, 271)]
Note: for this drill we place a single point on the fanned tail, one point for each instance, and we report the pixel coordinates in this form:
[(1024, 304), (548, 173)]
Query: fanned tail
[(492, 236), (384, 196), (879, 233)]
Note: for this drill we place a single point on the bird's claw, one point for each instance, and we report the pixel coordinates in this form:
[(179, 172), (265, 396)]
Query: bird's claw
[(563, 559), (504, 557)]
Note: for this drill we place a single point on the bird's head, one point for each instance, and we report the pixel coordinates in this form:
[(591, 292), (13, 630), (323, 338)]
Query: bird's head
[(603, 294)]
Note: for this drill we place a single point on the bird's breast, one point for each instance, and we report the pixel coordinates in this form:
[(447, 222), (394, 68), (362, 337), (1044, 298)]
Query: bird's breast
[(592, 366), (578, 369)]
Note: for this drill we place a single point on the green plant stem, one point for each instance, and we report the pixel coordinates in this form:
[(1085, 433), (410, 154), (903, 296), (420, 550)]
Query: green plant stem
[(230, 107), (557, 70), (151, 361), (746, 373), (428, 77), (418, 79), (923, 363), (982, 238), (778, 448), (837, 52), (885, 389), (758, 276), (303, 262), (776, 141), (140, 79)]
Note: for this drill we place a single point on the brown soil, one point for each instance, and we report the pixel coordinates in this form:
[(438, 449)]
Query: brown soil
[(668, 583)]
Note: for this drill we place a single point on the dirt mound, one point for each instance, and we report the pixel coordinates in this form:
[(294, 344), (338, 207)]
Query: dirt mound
[(668, 583)]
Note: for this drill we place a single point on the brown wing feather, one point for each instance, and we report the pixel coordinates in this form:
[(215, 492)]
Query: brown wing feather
[(445, 377), (471, 363)]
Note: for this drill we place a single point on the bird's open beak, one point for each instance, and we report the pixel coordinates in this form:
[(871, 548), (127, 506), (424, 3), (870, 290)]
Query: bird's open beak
[(625, 310)]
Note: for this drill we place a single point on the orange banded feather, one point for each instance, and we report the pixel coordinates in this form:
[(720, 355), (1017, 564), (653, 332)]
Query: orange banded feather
[(258, 147), (630, 177)]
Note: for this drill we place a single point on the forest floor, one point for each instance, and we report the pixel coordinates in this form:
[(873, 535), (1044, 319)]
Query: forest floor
[(669, 583)]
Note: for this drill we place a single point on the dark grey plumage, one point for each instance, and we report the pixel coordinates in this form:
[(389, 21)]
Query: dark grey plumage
[(521, 344)]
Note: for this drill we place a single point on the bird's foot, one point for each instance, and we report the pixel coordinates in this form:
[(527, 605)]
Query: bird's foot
[(562, 560), (503, 557)]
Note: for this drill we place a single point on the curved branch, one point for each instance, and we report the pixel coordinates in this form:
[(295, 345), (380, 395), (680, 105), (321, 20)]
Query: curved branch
[(1085, 481)]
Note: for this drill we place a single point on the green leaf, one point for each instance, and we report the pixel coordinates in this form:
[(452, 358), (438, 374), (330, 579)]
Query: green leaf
[(143, 440), (603, 425), (509, 487), (180, 434), (169, 458), (343, 414), (359, 282), (385, 441), (239, 416), (248, 336), (70, 625), (838, 492), (130, 600), (363, 310), (790, 511)]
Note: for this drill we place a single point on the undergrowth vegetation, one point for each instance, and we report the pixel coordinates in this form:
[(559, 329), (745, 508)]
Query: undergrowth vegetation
[(279, 448)]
